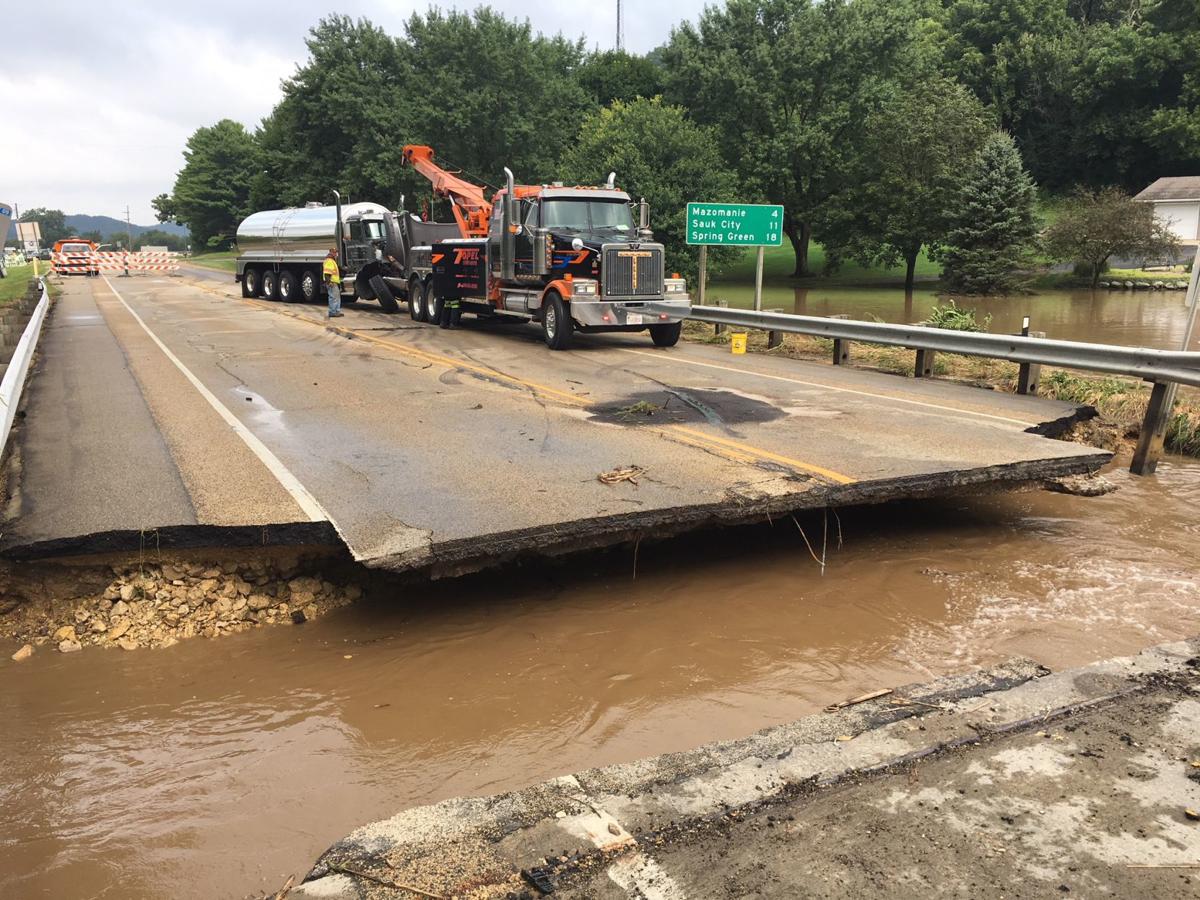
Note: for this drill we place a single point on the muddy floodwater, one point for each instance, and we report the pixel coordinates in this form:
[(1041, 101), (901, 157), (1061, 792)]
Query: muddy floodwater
[(1130, 318), (217, 767)]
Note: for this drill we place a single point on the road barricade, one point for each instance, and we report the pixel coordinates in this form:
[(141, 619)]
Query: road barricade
[(115, 261)]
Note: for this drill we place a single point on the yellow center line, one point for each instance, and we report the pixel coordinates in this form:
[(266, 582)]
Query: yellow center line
[(766, 454), (736, 450)]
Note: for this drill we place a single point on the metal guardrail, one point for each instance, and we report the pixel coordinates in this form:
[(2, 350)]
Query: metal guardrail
[(1162, 366), (14, 377)]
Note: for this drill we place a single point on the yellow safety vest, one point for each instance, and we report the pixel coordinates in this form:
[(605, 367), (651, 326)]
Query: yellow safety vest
[(331, 269)]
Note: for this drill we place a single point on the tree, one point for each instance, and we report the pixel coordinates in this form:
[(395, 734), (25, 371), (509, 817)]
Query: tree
[(994, 227), (212, 190), (907, 168), (617, 75), (155, 237), (52, 223), (345, 115), (658, 154), (788, 84), (1094, 226)]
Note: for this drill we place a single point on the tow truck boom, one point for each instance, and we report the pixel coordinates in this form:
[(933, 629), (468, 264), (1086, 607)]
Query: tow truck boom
[(471, 209)]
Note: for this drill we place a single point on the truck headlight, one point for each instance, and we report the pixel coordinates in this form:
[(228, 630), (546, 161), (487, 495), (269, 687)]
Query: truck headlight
[(675, 286), (583, 287)]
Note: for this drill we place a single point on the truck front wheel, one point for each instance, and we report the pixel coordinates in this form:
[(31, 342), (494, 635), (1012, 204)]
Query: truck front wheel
[(666, 335), (250, 282), (383, 294), (557, 327)]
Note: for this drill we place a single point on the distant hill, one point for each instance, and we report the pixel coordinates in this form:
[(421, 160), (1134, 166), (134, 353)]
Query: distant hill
[(108, 226)]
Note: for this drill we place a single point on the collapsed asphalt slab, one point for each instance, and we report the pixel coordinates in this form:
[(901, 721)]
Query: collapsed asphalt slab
[(1010, 782)]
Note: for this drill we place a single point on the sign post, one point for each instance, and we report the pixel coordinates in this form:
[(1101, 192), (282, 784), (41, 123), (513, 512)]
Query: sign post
[(734, 225), (30, 234)]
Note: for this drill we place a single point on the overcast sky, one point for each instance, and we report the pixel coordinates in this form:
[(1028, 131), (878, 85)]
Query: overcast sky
[(99, 100)]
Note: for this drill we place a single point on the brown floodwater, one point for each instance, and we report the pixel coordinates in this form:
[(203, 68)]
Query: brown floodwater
[(216, 768), (1131, 318)]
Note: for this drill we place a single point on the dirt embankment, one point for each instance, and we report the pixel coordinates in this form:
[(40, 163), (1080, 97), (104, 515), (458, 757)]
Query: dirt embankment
[(67, 607)]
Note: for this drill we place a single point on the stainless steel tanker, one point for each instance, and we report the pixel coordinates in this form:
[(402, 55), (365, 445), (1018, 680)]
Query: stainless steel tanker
[(281, 251)]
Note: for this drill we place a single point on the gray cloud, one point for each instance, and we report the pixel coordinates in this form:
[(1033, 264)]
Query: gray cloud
[(98, 102)]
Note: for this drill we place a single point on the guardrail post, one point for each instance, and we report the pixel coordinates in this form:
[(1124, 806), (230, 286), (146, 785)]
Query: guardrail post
[(924, 367), (774, 338), (719, 328), (841, 352), (1154, 428), (1029, 373)]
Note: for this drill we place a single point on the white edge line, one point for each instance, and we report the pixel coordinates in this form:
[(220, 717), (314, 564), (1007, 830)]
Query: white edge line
[(661, 357), (307, 502)]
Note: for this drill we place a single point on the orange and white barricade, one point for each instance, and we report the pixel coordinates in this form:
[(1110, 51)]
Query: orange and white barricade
[(115, 261)]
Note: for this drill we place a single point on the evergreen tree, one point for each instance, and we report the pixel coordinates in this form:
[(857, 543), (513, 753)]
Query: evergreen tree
[(993, 221)]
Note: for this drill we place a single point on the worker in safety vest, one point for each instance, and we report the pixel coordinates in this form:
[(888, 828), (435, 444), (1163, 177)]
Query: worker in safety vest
[(451, 313), (333, 283)]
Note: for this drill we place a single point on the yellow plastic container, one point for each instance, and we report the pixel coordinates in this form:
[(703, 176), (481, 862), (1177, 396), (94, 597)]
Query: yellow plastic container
[(737, 343)]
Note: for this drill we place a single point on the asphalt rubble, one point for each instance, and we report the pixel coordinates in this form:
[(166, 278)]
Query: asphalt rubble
[(1011, 782)]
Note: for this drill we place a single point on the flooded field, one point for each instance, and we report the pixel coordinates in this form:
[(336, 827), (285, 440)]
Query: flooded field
[(216, 768), (1131, 318)]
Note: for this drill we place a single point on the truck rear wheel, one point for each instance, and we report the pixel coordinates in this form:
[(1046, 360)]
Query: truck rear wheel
[(310, 286), (666, 335), (250, 282), (416, 308), (416, 300), (557, 327), (433, 305), (270, 285), (289, 290), (383, 294)]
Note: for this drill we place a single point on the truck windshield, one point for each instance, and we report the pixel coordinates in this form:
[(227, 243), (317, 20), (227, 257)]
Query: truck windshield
[(587, 215)]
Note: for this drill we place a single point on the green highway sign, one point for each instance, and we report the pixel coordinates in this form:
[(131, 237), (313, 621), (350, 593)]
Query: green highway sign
[(734, 224)]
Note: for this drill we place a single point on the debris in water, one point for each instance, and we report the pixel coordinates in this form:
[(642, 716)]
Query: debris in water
[(629, 473), (298, 617), (1092, 484), (854, 701), (23, 654)]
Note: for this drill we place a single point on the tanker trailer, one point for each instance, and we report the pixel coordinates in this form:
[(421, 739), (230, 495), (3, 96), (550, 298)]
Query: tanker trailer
[(281, 252)]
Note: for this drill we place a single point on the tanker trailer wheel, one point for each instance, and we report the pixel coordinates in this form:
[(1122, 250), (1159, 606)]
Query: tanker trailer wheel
[(416, 300), (289, 290), (270, 285), (383, 294), (433, 305), (557, 326), (250, 282), (666, 335), (310, 286)]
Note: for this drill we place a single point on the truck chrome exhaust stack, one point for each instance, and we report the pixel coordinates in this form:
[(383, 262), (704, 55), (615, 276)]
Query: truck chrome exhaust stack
[(508, 238)]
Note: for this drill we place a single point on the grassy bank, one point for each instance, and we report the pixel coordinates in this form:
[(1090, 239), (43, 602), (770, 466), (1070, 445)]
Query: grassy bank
[(224, 260), (1120, 402), (17, 283)]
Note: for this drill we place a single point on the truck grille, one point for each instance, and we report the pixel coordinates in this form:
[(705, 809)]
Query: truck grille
[(633, 273)]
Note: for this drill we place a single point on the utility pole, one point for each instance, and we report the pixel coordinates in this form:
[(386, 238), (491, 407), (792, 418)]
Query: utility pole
[(620, 28), (128, 230)]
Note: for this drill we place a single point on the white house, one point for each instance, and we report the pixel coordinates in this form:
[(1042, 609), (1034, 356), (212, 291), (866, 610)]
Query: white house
[(1177, 203)]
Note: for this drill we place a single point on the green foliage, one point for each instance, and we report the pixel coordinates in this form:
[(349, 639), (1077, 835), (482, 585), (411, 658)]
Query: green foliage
[(788, 84), (659, 154), (341, 122), (52, 223), (1095, 225), (907, 167), (156, 237), (950, 317), (212, 190), (617, 75), (993, 226)]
